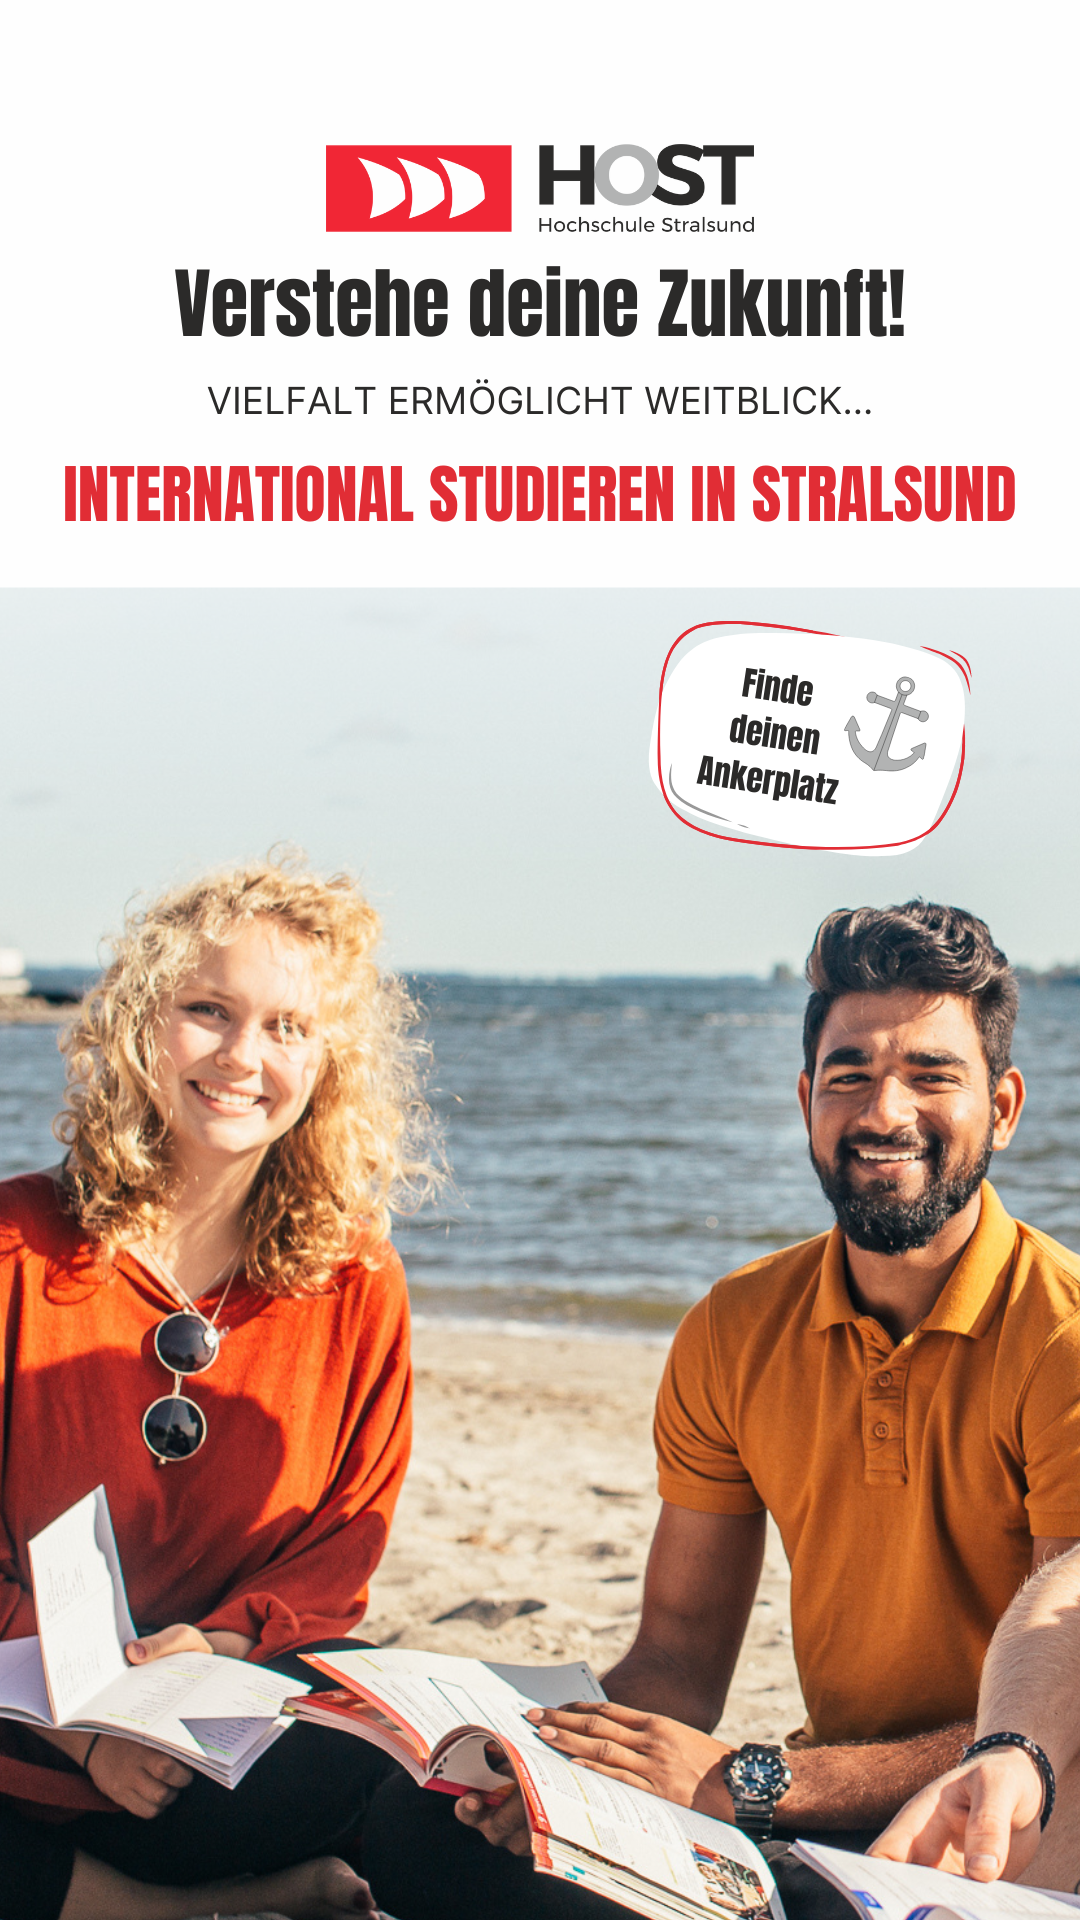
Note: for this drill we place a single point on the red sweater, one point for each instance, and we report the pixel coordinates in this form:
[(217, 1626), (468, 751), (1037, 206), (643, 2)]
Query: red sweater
[(274, 1527)]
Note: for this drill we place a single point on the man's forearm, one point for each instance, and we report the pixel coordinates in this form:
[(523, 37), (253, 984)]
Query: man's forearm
[(1036, 1643), (700, 1584), (863, 1786), (657, 1681)]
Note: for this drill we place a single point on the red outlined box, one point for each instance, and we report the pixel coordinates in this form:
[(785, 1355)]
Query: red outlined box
[(774, 735)]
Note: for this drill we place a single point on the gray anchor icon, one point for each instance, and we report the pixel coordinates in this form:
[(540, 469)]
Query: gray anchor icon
[(877, 757)]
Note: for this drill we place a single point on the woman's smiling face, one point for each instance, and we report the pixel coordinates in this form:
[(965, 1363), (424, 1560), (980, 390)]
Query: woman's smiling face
[(239, 1047)]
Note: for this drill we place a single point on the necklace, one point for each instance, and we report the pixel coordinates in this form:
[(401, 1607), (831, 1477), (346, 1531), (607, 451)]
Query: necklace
[(184, 1301), (186, 1341)]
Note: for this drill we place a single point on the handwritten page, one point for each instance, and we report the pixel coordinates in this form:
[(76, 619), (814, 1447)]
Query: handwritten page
[(199, 1706), (228, 1739), (82, 1610)]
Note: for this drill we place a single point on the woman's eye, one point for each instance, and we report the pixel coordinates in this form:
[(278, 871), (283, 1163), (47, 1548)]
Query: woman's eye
[(289, 1029), (205, 1006)]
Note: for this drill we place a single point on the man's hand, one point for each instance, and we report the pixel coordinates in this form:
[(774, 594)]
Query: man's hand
[(981, 1819), (645, 1750), (504, 1824)]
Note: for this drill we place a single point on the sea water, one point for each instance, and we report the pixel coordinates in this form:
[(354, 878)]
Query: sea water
[(618, 1144)]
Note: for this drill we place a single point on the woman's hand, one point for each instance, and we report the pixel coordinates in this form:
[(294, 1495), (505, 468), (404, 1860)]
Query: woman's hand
[(643, 1749), (132, 1776), (155, 1646), (184, 1639), (135, 1777)]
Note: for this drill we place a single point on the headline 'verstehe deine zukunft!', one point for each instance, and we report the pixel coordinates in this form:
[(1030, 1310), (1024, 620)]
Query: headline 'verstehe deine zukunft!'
[(387, 305)]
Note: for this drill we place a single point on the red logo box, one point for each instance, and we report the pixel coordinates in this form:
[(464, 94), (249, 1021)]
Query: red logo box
[(418, 189)]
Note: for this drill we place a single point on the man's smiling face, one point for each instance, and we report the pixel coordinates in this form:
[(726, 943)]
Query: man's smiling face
[(901, 1115)]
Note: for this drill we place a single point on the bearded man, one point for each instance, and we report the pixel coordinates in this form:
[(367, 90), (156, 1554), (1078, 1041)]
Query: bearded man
[(900, 1394)]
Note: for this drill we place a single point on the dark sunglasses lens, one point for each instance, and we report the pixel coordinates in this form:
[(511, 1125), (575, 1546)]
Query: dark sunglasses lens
[(174, 1428), (186, 1344)]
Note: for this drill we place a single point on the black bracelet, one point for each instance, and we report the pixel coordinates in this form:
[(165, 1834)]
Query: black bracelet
[(1034, 1753), (85, 1761)]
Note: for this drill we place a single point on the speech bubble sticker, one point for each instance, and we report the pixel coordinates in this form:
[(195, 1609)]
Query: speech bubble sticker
[(789, 737)]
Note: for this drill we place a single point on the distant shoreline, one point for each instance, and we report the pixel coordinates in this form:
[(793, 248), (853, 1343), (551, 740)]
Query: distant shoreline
[(51, 1009), (32, 1010)]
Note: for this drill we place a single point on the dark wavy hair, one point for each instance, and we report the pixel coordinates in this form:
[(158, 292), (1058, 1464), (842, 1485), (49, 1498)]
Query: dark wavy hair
[(921, 945)]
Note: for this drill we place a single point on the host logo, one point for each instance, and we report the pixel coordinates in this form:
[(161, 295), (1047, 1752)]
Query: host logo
[(417, 189), (591, 174)]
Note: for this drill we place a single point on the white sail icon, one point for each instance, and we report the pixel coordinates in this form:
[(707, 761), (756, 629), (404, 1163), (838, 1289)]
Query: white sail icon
[(425, 186), (466, 187), (387, 187)]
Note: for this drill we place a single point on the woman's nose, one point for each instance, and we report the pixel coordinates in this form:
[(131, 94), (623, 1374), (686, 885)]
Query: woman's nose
[(239, 1047)]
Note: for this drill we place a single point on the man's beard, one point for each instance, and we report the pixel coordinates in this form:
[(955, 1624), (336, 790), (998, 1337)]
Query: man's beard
[(879, 1219)]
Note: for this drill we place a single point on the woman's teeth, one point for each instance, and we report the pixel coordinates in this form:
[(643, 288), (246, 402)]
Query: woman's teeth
[(227, 1097)]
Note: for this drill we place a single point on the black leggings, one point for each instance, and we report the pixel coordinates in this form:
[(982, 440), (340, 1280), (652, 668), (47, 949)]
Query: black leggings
[(307, 1796), (423, 1864)]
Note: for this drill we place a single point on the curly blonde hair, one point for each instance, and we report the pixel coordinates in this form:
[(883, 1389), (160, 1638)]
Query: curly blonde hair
[(365, 1141)]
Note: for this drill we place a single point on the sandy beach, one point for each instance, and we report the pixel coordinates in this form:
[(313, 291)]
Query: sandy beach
[(525, 1522)]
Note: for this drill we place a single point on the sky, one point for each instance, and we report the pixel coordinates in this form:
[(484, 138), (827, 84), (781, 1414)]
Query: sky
[(479, 759)]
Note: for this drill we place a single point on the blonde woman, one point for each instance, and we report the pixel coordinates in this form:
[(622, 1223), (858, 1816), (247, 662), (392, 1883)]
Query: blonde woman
[(201, 1308)]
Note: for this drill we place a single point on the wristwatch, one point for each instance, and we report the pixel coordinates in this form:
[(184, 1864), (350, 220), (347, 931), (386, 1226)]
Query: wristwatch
[(756, 1777)]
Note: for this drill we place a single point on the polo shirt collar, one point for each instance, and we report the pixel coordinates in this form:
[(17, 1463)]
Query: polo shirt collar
[(969, 1299), (833, 1303)]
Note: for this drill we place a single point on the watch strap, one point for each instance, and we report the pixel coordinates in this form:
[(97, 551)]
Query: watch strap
[(755, 1819)]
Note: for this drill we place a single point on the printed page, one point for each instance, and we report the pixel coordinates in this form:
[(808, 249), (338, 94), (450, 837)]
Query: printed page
[(669, 1845), (435, 1694), (897, 1888), (633, 1828), (724, 1886), (82, 1612)]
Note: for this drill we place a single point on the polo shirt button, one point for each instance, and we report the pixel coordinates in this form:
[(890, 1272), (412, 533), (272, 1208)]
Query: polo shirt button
[(884, 1379), (881, 1431)]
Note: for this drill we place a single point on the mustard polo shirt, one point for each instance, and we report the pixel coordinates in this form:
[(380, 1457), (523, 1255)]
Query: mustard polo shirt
[(907, 1481)]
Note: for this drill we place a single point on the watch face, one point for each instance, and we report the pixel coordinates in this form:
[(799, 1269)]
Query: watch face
[(761, 1773)]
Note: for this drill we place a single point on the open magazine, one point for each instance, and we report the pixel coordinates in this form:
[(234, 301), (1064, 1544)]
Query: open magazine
[(215, 1714), (888, 1890), (445, 1718)]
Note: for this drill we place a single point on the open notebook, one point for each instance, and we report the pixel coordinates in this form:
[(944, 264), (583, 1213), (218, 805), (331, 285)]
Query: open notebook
[(216, 1715)]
